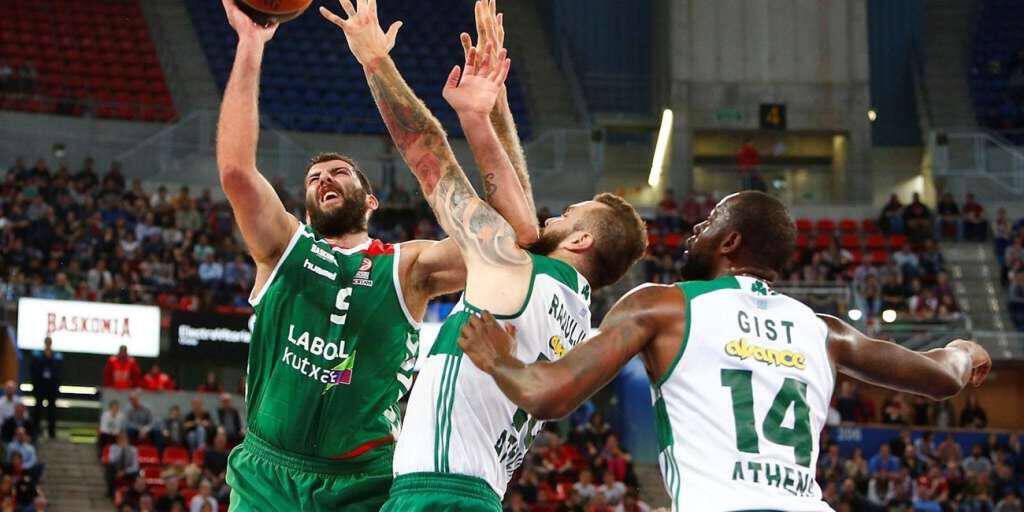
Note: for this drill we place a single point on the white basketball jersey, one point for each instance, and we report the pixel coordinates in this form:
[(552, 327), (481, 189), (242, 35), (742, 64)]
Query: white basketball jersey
[(458, 420), (740, 410)]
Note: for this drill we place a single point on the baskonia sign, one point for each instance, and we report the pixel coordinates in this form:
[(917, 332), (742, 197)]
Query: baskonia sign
[(89, 327)]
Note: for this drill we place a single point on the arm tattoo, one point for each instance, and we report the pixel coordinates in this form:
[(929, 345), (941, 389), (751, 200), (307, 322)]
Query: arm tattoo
[(505, 126), (417, 134), (490, 187), (474, 225)]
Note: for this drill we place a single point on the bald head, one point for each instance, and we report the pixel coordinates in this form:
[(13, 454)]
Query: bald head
[(748, 230)]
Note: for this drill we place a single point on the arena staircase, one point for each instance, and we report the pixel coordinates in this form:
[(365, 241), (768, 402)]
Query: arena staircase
[(188, 75), (946, 40), (974, 274), (546, 87), (73, 479)]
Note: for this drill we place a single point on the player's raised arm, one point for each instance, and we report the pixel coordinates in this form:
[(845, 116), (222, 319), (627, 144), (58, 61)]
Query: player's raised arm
[(472, 93), (261, 216), (551, 390), (938, 374), (490, 30)]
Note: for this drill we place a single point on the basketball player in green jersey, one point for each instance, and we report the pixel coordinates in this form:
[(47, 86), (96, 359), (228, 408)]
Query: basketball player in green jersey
[(337, 313), (730, 360)]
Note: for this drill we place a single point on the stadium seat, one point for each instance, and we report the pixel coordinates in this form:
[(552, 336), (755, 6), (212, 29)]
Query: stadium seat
[(879, 257), (869, 226), (848, 226), (825, 225), (804, 225), (152, 475), (822, 241), (875, 242), (897, 241), (148, 455), (801, 241), (849, 242), (174, 455)]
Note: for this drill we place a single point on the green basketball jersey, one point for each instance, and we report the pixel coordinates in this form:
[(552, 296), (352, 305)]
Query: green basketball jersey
[(333, 348)]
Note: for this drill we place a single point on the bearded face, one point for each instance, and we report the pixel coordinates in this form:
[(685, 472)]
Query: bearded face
[(336, 210), (550, 237)]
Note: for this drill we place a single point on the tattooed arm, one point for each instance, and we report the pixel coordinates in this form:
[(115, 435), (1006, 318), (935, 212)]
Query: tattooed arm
[(648, 321), (490, 30)]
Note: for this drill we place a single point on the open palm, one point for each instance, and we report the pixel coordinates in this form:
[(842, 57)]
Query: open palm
[(476, 89)]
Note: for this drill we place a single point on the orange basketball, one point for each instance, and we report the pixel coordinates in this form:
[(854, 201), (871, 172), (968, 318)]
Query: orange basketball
[(273, 11)]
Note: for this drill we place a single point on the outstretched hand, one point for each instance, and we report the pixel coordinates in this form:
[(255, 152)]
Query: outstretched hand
[(981, 362), (246, 28), (475, 90), (485, 341), (490, 28), (365, 37)]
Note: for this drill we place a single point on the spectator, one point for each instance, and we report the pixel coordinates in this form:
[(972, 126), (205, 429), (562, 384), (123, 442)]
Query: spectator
[(199, 426), (133, 496), (9, 400), (615, 458), (975, 225), (146, 503), (611, 488), (19, 420), (948, 225), (881, 492), (918, 219), (1009, 503), (204, 498), (977, 462), (157, 380), (170, 497), (121, 371), (949, 450), (229, 418), (173, 428), (748, 159), (883, 460), (891, 220), (830, 464), (39, 504), (46, 378), (1016, 294), (931, 491), (856, 467), (112, 423), (122, 463), (22, 445), (925, 446), (211, 271), (211, 384), (632, 503), (140, 424), (972, 415), (585, 487), (26, 491), (215, 460), (668, 211)]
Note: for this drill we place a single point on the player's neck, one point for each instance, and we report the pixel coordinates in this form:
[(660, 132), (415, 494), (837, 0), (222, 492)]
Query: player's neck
[(349, 240), (574, 260), (768, 276)]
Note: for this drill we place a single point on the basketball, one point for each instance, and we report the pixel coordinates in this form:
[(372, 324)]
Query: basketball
[(265, 12)]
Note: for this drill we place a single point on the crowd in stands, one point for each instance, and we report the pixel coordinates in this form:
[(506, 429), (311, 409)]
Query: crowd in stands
[(21, 468), (850, 405), (584, 471), (1009, 247), (892, 263)]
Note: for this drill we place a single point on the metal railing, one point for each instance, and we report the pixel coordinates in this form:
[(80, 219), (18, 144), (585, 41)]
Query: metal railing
[(979, 161)]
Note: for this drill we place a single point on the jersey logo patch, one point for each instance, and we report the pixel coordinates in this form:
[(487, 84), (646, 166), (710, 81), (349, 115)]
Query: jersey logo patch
[(342, 374), (366, 265), (557, 346), (742, 349), (322, 253), (306, 264), (362, 277)]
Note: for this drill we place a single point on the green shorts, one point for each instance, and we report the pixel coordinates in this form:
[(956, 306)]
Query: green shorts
[(263, 479), (441, 492)]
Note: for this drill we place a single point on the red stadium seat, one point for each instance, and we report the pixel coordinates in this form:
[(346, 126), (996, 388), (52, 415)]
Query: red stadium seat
[(105, 454), (858, 257), (849, 242), (848, 226), (673, 240), (879, 257), (875, 242), (152, 475), (174, 455), (897, 241), (822, 241), (801, 241), (804, 225), (148, 455), (869, 226), (825, 225)]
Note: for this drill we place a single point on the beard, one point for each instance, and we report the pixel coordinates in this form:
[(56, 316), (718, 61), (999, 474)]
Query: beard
[(548, 241), (699, 265), (349, 217)]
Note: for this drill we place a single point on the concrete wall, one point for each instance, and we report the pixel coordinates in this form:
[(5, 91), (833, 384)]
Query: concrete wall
[(811, 55)]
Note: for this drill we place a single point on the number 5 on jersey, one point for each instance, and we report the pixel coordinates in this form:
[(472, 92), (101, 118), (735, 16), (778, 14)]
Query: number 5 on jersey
[(793, 392), (341, 304)]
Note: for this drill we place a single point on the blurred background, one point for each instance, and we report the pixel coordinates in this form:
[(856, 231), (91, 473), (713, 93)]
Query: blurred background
[(891, 129)]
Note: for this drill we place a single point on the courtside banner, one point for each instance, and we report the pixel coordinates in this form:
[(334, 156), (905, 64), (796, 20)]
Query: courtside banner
[(89, 327), (210, 334)]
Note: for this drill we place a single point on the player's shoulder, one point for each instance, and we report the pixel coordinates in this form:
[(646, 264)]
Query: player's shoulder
[(650, 294)]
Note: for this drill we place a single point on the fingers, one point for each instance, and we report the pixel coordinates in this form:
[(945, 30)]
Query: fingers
[(472, 60), (487, 318), (501, 30), (372, 4), (503, 73), (346, 5), (331, 17), (453, 78), (467, 43), (478, 15), (392, 33)]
